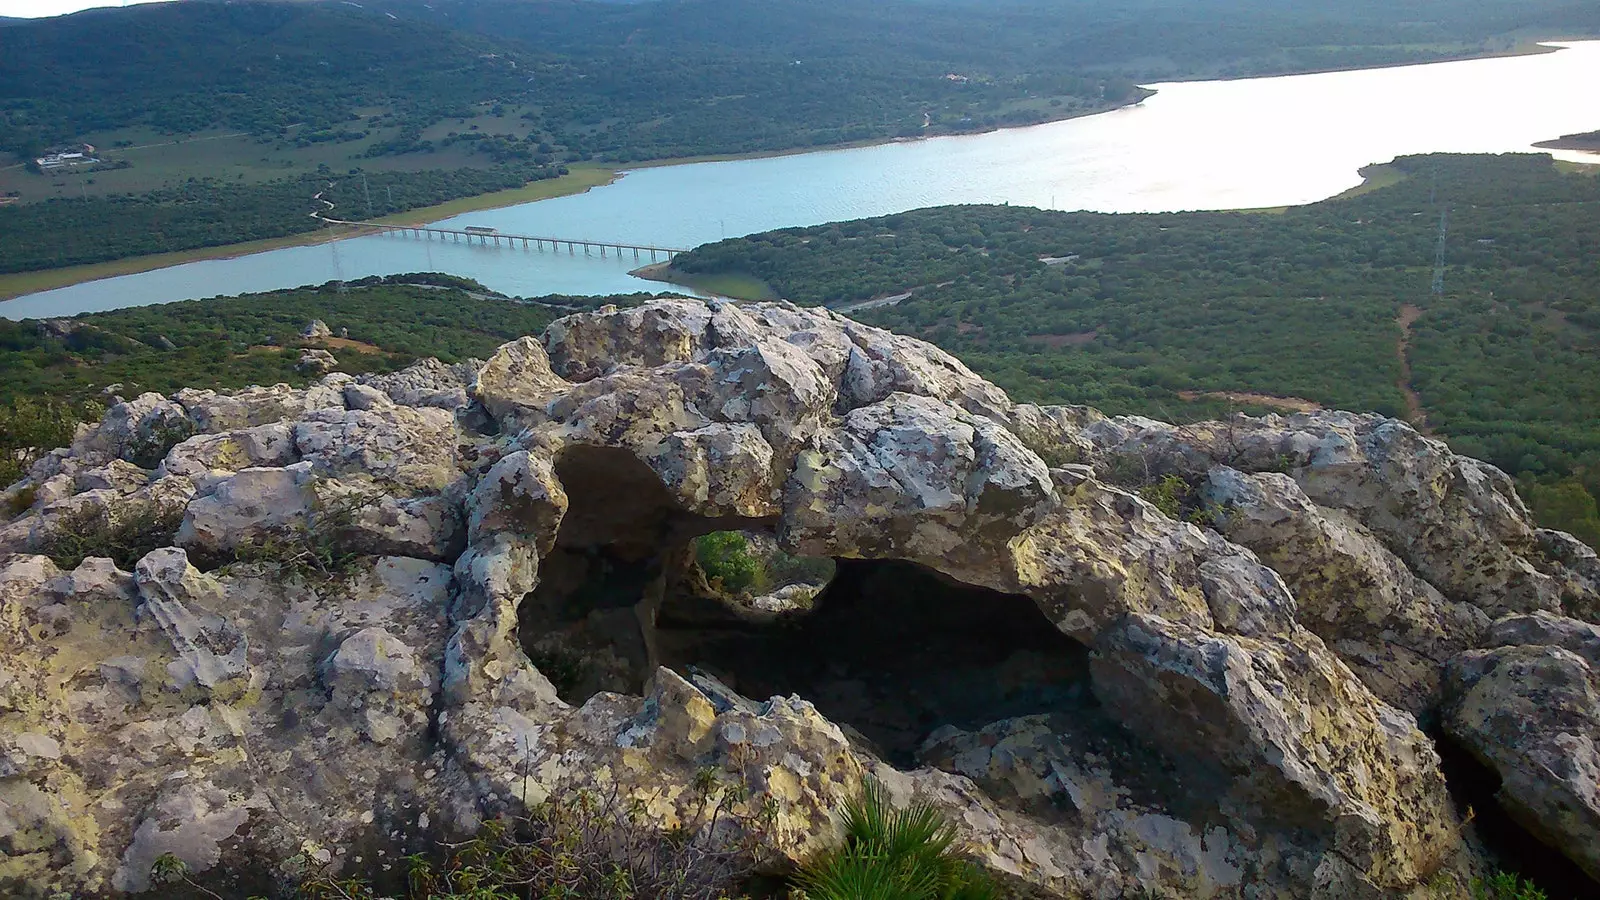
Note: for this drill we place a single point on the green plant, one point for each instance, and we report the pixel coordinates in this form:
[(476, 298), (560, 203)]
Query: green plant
[(169, 871), (726, 559), (581, 845), (894, 854), (29, 429), (316, 547), (124, 536), (564, 666), (1505, 886), (21, 501), (148, 450), (785, 568), (1167, 495)]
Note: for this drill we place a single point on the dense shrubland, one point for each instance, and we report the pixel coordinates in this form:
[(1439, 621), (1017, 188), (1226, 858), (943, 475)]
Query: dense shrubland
[(614, 83), (233, 342), (206, 213), (1160, 314)]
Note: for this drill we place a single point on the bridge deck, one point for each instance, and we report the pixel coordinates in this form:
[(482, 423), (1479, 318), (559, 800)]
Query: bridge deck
[(495, 236)]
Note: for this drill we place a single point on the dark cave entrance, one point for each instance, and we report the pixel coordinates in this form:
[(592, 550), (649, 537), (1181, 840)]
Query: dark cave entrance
[(889, 650), (1474, 786)]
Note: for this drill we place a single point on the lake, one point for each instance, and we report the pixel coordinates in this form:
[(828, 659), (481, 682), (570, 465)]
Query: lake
[(1194, 145)]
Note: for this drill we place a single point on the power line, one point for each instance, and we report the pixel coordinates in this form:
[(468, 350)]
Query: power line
[(1438, 260)]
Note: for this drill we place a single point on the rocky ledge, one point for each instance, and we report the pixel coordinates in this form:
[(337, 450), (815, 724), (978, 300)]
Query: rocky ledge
[(1249, 698)]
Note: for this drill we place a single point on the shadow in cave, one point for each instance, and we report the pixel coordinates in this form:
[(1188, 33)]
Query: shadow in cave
[(623, 545), (1474, 786), (890, 650)]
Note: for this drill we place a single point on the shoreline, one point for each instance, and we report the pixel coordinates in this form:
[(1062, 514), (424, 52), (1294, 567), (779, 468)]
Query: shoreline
[(584, 177), (581, 179), (1525, 47), (22, 284), (1144, 94)]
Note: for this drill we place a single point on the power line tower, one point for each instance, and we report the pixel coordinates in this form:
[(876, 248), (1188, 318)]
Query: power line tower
[(368, 192), (1438, 259)]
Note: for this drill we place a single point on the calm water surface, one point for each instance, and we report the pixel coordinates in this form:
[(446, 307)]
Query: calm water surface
[(1195, 145)]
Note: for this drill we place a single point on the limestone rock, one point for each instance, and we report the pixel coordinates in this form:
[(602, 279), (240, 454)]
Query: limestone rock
[(1532, 714), (316, 330), (139, 431), (252, 407), (940, 486), (1238, 714), (1392, 628), (427, 383), (247, 507), (517, 382), (213, 655), (316, 362), (410, 449), (213, 455)]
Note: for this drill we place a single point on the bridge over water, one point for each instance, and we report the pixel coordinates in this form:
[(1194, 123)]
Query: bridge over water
[(486, 236)]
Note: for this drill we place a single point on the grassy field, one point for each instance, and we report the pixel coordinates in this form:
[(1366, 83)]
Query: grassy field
[(723, 284), (581, 178), (159, 160)]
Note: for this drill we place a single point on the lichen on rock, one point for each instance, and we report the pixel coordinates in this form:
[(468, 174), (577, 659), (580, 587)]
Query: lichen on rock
[(1224, 708)]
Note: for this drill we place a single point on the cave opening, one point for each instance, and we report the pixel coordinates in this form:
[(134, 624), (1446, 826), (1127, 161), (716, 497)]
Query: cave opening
[(891, 651), (1476, 786)]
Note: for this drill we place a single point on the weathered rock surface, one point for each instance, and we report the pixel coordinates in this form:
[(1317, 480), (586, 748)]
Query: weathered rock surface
[(1530, 710), (1245, 725)]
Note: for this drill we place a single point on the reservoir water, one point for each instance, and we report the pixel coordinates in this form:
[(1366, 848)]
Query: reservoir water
[(1194, 145)]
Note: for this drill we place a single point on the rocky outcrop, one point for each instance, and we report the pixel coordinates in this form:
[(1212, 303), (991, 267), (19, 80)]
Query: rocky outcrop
[(1529, 709), (1234, 710)]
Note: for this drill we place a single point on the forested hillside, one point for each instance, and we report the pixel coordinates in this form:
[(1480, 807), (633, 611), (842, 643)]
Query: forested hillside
[(1330, 303), (256, 94), (208, 212)]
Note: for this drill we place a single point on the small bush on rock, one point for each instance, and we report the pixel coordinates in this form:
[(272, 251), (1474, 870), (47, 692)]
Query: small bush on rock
[(726, 559), (578, 845), (29, 430), (124, 537), (889, 854), (310, 550), (1506, 886)]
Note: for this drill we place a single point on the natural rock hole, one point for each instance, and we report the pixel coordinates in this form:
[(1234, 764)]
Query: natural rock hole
[(888, 649), (1474, 785)]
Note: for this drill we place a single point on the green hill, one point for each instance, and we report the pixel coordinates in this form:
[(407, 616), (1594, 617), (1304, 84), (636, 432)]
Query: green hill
[(1186, 315)]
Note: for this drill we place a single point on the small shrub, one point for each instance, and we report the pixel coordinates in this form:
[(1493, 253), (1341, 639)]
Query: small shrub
[(726, 559), (29, 430), (579, 845), (565, 667), (314, 549), (125, 537), (1167, 495), (784, 568), (21, 501), (1505, 886), (889, 854), (147, 451)]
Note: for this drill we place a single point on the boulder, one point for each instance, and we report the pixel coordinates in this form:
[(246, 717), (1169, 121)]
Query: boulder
[(316, 362), (1221, 707), (1531, 713), (1391, 627)]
